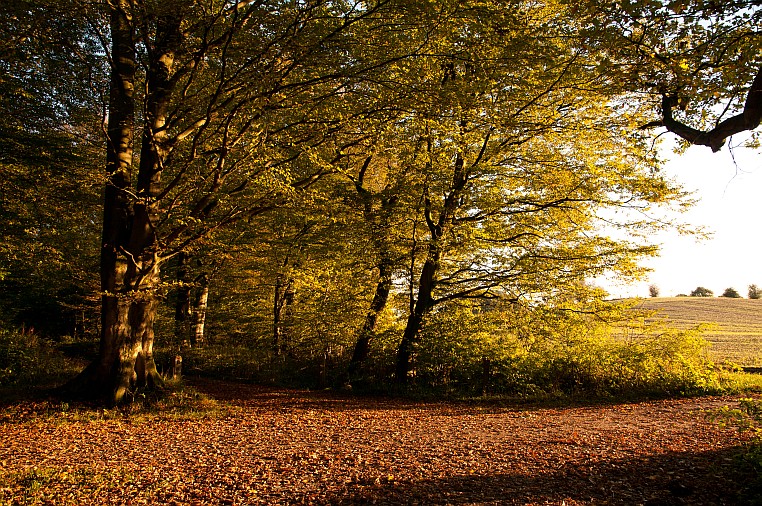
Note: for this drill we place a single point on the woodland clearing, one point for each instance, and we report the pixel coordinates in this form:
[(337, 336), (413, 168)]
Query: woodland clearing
[(274, 446)]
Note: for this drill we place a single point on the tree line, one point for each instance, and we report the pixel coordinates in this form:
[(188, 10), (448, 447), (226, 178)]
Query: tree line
[(329, 181)]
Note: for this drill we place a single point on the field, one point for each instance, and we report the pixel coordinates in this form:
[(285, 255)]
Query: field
[(736, 333)]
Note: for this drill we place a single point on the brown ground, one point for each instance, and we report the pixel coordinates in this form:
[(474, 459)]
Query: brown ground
[(287, 447)]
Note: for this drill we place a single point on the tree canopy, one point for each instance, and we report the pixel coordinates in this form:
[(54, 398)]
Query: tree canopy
[(327, 178)]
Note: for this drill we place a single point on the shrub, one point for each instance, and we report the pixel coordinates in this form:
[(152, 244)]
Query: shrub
[(731, 293), (754, 292), (28, 360), (702, 292), (653, 291), (549, 353)]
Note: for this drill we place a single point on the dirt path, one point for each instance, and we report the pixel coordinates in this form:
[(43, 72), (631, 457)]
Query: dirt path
[(286, 447)]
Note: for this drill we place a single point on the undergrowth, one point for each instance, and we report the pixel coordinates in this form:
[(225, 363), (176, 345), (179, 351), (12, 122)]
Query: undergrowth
[(747, 418), (28, 360)]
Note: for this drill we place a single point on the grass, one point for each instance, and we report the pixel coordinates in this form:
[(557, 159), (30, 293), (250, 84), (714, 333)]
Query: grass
[(735, 330)]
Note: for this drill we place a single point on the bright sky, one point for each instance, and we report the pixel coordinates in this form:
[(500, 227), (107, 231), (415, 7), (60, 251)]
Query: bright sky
[(728, 188)]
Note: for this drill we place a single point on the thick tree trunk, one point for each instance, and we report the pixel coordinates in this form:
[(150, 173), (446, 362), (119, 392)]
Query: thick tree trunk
[(130, 257), (427, 281), (283, 297), (379, 219), (100, 377), (423, 305)]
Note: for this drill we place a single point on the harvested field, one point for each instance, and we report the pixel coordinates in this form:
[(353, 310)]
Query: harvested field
[(736, 335)]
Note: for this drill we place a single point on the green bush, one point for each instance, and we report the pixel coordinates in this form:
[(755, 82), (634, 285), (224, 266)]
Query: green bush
[(701, 291), (731, 293), (554, 353), (748, 419)]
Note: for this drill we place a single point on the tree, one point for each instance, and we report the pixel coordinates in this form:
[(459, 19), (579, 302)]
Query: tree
[(731, 293), (754, 292), (508, 193), (702, 292), (653, 291), (237, 114), (457, 126), (50, 88), (699, 60)]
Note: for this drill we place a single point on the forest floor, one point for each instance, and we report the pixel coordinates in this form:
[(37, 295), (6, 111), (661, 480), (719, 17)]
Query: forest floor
[(274, 446)]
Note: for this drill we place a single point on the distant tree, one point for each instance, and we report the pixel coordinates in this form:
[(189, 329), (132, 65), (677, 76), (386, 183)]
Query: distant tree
[(653, 291), (681, 295), (755, 292), (731, 293), (702, 292)]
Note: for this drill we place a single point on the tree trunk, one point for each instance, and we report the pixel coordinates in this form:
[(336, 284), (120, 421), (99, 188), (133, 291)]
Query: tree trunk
[(367, 332), (130, 258), (427, 281), (282, 300), (379, 220), (423, 305), (199, 314)]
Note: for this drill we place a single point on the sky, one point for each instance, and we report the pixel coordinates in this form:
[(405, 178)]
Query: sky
[(728, 188)]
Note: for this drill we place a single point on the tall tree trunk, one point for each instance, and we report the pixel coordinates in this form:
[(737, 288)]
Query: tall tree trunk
[(427, 281), (100, 376), (130, 256), (199, 313), (423, 304), (379, 220), (283, 297)]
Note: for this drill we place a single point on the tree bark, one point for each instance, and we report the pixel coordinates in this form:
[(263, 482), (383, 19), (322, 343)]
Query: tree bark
[(379, 220), (367, 332), (283, 298), (199, 313), (427, 281), (130, 254), (423, 304), (100, 376)]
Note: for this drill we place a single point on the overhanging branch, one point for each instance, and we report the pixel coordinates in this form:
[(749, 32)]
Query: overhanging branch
[(748, 119)]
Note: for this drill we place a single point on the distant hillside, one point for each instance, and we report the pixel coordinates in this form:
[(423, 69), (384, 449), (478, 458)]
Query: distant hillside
[(738, 336)]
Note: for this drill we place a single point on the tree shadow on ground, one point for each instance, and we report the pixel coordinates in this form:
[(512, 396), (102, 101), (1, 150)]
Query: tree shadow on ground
[(247, 394), (678, 478)]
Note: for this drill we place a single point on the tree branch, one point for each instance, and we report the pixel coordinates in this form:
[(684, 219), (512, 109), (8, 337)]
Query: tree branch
[(748, 119)]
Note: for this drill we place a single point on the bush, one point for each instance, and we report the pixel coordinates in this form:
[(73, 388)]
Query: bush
[(28, 360), (754, 292), (748, 419), (653, 291), (702, 292), (546, 353), (731, 293)]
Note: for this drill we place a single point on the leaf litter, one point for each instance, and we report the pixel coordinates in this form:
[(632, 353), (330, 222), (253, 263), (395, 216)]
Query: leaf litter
[(297, 447)]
